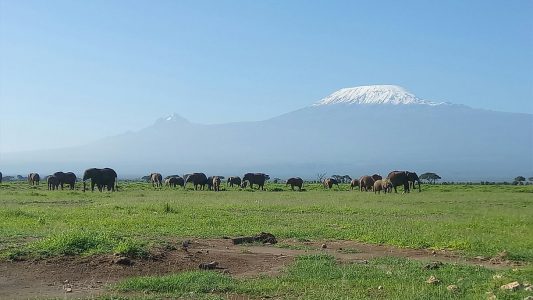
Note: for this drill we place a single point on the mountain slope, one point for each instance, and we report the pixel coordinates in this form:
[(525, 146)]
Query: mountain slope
[(348, 132)]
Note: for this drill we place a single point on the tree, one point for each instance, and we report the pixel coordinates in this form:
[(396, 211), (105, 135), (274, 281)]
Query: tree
[(430, 177), (337, 177), (519, 180), (320, 176)]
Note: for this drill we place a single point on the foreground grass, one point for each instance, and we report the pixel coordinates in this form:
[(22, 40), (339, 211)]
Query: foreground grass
[(474, 220), (320, 277)]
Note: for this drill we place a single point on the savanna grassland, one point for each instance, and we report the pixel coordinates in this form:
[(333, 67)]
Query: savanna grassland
[(470, 221)]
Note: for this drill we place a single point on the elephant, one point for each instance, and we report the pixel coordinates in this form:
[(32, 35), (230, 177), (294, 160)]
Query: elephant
[(244, 184), (174, 181), (366, 183), (198, 179), (34, 179), (376, 177), (398, 178), (386, 185), (354, 183), (234, 180), (256, 178), (413, 178), (295, 181), (53, 182), (66, 178), (156, 179), (216, 183), (378, 186), (329, 182), (105, 177), (0, 177)]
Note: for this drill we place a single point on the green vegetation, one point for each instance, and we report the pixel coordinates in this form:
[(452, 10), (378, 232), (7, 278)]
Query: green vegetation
[(320, 277), (471, 219)]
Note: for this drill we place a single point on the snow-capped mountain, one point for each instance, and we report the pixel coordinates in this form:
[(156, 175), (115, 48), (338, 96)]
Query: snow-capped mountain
[(373, 94), (355, 131)]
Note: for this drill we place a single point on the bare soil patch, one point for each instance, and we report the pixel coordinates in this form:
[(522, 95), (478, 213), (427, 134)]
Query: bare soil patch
[(72, 277)]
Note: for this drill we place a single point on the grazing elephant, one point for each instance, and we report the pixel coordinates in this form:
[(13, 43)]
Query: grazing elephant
[(156, 179), (66, 178), (378, 186), (234, 180), (197, 179), (105, 177), (295, 181), (366, 183), (0, 177), (244, 184), (413, 178), (329, 182), (397, 178), (34, 179), (216, 183), (174, 181), (376, 177), (386, 185), (354, 183), (53, 182), (256, 178)]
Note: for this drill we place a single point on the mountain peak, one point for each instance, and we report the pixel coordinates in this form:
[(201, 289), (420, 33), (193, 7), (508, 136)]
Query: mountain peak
[(373, 94), (173, 118)]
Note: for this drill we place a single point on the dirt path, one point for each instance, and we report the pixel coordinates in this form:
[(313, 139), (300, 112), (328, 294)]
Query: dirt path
[(76, 277)]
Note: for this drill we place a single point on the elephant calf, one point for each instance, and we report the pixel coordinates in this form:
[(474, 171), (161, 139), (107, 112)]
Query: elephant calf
[(328, 183), (216, 184), (354, 183), (53, 182)]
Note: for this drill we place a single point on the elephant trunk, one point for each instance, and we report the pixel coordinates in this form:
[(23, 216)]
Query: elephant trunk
[(84, 185)]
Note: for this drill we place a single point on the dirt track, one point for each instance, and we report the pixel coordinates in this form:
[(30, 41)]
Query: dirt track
[(88, 276)]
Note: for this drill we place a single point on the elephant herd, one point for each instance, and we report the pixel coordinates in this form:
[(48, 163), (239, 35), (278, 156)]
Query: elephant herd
[(377, 184), (101, 178), (106, 178), (200, 180)]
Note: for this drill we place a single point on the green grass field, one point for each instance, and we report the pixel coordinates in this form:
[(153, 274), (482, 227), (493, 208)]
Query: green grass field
[(472, 220)]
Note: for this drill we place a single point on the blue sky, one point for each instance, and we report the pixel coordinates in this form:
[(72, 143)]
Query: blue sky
[(74, 71)]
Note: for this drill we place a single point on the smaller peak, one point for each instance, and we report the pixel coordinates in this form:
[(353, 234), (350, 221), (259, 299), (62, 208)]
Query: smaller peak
[(174, 118)]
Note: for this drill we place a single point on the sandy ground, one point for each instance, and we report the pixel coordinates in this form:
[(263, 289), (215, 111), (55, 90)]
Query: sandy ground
[(72, 277)]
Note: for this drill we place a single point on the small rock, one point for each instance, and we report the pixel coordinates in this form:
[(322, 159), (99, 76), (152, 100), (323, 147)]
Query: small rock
[(481, 258), (432, 280), (208, 266), (324, 246), (380, 287), (528, 289), (512, 286), (123, 260), (225, 271), (452, 288), (68, 290), (433, 252), (66, 281)]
